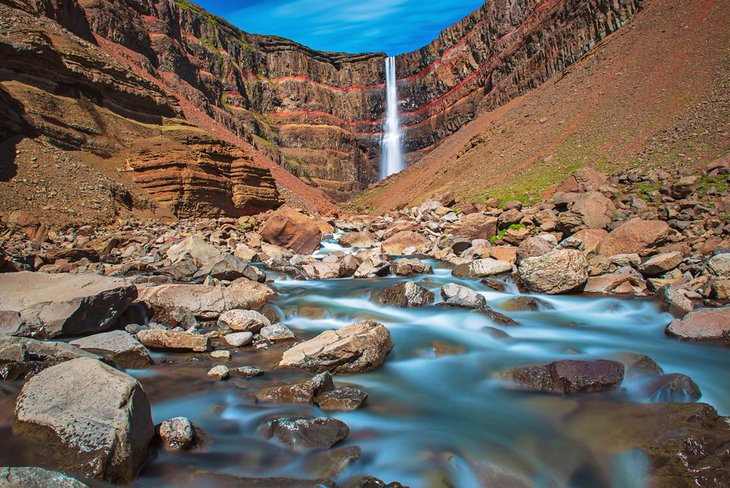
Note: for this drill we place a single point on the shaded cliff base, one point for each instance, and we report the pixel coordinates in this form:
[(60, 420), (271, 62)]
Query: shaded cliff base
[(653, 94)]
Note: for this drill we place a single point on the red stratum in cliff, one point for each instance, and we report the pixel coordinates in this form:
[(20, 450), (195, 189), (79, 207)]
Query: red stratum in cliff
[(653, 94)]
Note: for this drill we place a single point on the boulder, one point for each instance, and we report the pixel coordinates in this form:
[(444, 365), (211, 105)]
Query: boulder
[(616, 284), (180, 434), (33, 477), (173, 340), (21, 357), (635, 236), (61, 305), (98, 418), (638, 365), (277, 333), (341, 400), (409, 267), (304, 434), (559, 271), (293, 230), (661, 263), (229, 268), (481, 268), (194, 248), (567, 376), (584, 179), (118, 346), (719, 265), (219, 372), (673, 388), (525, 303), (238, 339), (355, 348), (405, 295), (461, 296), (302, 393), (475, 226), (533, 247), (358, 239), (243, 320), (593, 209), (709, 324), (397, 244), (206, 302)]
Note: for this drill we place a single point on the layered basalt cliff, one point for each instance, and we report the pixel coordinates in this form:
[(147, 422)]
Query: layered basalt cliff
[(83, 138), (320, 115)]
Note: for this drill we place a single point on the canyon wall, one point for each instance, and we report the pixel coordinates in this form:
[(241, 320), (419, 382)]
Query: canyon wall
[(320, 115)]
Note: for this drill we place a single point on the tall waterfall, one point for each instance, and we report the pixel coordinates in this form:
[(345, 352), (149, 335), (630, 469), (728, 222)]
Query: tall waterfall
[(392, 144)]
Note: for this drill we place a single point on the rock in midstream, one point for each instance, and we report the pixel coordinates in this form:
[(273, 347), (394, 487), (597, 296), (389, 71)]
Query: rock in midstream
[(355, 348)]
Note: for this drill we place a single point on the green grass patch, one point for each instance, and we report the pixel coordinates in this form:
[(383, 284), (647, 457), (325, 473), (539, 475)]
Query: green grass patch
[(499, 237)]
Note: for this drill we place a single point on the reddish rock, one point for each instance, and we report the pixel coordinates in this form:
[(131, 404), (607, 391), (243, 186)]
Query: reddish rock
[(584, 179), (616, 284), (635, 236), (567, 376), (397, 244), (710, 324), (475, 226), (292, 229)]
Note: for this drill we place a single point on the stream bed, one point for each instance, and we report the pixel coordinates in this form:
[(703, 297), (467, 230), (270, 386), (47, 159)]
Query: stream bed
[(436, 415)]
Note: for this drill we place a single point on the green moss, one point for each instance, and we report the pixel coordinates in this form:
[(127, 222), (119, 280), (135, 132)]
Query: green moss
[(499, 237)]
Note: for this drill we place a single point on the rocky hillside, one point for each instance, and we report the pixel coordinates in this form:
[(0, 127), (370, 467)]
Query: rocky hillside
[(320, 114), (652, 95), (85, 138)]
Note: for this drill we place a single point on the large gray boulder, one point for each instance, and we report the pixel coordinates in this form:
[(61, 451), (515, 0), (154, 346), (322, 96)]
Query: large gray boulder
[(32, 477), (22, 357), (118, 346), (352, 349), (96, 419), (481, 268), (559, 271), (61, 305), (206, 302)]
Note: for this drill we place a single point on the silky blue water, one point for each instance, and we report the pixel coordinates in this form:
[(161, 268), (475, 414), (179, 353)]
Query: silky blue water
[(441, 420)]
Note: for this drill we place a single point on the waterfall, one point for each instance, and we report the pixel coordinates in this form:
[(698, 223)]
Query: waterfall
[(392, 144)]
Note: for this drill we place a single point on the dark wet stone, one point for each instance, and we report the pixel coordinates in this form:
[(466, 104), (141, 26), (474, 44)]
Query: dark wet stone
[(332, 462), (525, 303), (638, 365), (343, 399), (567, 376), (495, 284), (21, 358), (305, 434), (219, 480), (495, 332), (405, 295), (687, 443), (673, 388), (180, 434), (300, 393), (372, 482)]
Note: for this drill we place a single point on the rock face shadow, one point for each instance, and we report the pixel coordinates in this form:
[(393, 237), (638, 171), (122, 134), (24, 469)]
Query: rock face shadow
[(13, 128)]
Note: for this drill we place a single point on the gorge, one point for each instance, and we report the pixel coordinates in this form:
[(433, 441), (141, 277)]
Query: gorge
[(501, 260)]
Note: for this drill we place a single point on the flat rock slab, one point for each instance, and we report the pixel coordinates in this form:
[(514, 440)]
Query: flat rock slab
[(36, 478), (172, 340), (567, 376), (61, 305), (96, 419), (117, 345), (352, 349), (206, 302), (709, 324), (482, 268)]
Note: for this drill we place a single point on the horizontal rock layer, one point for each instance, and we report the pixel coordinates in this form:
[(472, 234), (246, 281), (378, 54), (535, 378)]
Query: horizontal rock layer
[(320, 115)]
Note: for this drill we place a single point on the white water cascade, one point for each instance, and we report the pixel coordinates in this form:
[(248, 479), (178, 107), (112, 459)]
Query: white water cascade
[(392, 144)]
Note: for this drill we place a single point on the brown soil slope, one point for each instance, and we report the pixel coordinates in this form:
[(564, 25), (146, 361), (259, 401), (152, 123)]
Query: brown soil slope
[(653, 93)]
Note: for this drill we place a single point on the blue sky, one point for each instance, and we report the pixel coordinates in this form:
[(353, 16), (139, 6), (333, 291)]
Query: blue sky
[(392, 26)]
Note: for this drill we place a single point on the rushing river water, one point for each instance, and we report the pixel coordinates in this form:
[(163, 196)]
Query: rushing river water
[(436, 416)]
